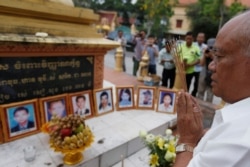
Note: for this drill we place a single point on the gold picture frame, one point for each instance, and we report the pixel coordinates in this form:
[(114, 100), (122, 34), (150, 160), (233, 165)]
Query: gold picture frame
[(81, 103), (51, 105), (125, 98), (1, 131), (20, 119), (146, 97), (166, 101), (103, 97)]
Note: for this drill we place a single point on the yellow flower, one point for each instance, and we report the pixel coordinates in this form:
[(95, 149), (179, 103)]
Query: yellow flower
[(171, 148), (160, 143), (154, 160)]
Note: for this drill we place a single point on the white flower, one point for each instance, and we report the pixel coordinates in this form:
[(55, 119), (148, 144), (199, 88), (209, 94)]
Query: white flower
[(166, 146), (143, 133), (169, 156), (150, 138), (168, 132)]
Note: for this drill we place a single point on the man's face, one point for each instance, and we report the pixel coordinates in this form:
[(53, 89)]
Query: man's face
[(229, 66), (80, 103), (200, 38), (151, 41), (189, 40), (168, 47), (21, 116), (104, 100), (120, 34), (142, 34), (57, 108)]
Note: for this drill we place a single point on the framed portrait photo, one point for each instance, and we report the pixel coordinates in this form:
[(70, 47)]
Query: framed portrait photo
[(103, 101), (125, 98), (20, 119), (81, 103), (146, 97), (166, 101), (54, 105)]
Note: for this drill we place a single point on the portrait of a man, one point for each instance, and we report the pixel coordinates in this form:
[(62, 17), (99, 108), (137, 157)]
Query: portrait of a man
[(22, 119), (146, 97), (56, 108), (103, 101), (104, 104), (81, 105)]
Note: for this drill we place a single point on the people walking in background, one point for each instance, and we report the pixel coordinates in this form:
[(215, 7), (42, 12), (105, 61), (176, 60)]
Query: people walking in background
[(139, 41), (198, 68), (191, 54), (205, 79), (120, 38), (167, 61), (152, 49)]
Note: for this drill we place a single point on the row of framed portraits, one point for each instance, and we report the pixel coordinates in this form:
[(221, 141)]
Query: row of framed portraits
[(25, 118)]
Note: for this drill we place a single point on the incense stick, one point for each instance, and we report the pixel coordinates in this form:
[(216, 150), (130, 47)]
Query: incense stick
[(179, 62)]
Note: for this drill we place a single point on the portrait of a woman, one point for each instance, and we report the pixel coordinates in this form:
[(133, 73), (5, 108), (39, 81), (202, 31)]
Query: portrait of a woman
[(166, 102), (125, 98)]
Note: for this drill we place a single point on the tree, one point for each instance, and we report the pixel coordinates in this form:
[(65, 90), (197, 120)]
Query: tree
[(208, 16), (155, 13), (148, 13)]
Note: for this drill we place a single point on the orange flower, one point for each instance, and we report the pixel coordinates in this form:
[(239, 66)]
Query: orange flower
[(45, 128)]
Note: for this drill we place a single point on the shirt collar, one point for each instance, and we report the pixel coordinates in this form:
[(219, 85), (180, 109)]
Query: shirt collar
[(235, 110), (24, 127)]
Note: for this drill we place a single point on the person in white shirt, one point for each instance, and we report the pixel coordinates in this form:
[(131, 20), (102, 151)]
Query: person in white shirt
[(198, 69), (167, 61), (227, 142)]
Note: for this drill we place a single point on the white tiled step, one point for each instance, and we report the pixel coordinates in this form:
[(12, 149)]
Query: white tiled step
[(138, 159)]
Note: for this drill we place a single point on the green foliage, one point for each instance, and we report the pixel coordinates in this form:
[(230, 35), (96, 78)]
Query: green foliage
[(235, 8), (146, 11), (209, 15), (155, 11)]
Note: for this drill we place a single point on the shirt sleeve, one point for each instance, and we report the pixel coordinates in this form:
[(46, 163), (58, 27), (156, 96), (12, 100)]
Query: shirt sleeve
[(223, 154)]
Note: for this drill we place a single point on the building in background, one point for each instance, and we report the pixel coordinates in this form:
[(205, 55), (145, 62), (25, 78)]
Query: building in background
[(179, 22)]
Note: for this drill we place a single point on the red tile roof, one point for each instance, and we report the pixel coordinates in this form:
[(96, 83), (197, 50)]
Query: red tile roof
[(243, 2), (228, 2), (186, 2)]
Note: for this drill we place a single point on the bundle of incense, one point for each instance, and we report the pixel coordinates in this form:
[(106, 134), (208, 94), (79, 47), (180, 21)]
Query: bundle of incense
[(179, 62)]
